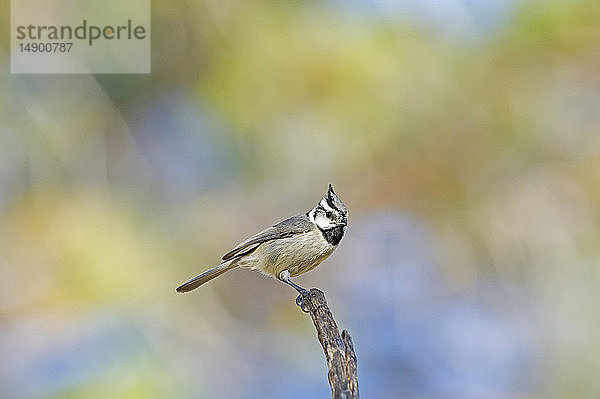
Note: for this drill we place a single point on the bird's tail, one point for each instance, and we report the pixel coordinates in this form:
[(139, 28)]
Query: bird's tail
[(206, 276)]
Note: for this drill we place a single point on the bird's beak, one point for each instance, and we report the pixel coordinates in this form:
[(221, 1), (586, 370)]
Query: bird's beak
[(344, 222)]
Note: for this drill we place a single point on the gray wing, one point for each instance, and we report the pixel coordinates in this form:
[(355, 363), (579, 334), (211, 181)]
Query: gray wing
[(287, 228)]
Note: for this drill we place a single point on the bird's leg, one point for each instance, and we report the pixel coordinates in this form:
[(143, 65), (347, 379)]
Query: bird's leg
[(300, 300)]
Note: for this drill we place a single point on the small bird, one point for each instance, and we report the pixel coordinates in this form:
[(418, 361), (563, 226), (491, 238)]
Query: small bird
[(287, 249)]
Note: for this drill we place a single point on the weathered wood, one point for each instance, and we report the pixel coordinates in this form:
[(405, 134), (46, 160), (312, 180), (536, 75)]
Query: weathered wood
[(339, 349), (351, 364)]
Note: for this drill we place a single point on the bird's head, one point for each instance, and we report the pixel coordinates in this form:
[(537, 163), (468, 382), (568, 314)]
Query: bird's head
[(330, 212)]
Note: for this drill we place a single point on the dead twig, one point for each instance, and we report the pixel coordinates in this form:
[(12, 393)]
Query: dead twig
[(339, 350)]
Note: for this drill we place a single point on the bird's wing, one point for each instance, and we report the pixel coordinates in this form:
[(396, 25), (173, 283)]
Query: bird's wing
[(287, 228)]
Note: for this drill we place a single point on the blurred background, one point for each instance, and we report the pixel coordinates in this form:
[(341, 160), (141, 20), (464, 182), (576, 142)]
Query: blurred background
[(462, 135)]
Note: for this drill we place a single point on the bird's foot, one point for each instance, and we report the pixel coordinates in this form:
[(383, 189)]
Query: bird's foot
[(301, 300)]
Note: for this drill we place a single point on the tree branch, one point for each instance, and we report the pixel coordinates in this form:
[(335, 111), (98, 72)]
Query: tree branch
[(339, 350)]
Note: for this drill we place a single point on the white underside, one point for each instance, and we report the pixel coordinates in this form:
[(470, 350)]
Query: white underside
[(298, 254)]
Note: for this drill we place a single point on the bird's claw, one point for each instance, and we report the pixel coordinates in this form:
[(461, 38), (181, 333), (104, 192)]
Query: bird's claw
[(301, 300)]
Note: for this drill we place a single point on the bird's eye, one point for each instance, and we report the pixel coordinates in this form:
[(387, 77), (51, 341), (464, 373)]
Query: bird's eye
[(328, 214)]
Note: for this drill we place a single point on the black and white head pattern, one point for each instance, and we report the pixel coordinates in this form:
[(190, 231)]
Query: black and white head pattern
[(330, 212)]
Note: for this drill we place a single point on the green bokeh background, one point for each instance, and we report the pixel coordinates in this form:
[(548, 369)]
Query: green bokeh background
[(466, 149)]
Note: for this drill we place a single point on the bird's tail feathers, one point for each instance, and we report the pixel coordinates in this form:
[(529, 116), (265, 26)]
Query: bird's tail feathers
[(206, 276)]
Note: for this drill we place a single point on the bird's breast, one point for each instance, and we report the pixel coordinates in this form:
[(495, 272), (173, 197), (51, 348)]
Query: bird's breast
[(298, 254)]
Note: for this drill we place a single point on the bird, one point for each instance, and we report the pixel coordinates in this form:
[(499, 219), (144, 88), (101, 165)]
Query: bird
[(287, 249)]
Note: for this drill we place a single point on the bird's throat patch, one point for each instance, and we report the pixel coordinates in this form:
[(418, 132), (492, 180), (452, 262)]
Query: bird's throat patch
[(333, 235)]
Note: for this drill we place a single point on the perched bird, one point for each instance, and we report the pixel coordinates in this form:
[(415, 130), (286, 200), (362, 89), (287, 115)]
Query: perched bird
[(287, 249)]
